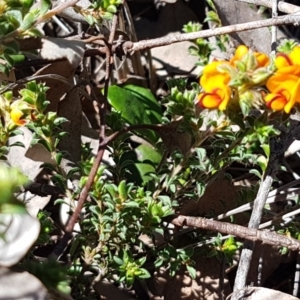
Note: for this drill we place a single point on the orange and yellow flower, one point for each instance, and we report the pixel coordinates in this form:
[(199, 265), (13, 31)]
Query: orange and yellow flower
[(16, 116), (19, 111), (288, 63), (216, 93), (283, 93), (284, 85)]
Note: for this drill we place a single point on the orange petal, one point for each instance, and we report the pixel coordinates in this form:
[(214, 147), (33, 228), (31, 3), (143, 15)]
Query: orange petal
[(284, 96), (295, 97), (276, 101), (262, 59), (281, 80), (293, 69), (218, 98), (207, 100)]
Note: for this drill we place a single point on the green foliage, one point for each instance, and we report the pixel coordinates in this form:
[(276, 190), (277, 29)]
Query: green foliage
[(47, 227), (17, 19), (286, 46), (100, 10), (10, 180), (212, 16), (174, 259), (130, 269), (147, 181), (202, 48), (51, 273), (137, 106), (225, 250)]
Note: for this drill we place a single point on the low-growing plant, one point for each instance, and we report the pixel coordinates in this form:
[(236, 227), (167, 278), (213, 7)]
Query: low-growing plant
[(188, 137)]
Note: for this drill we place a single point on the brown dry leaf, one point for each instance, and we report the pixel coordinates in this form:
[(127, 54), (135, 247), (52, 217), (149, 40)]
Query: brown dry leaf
[(38, 152)]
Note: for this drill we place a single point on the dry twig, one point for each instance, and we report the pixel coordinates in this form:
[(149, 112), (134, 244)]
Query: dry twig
[(250, 234)]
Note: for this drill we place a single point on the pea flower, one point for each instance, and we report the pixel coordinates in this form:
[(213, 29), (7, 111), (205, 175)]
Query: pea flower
[(216, 93), (288, 63), (284, 92), (284, 85), (19, 111), (257, 60), (16, 116)]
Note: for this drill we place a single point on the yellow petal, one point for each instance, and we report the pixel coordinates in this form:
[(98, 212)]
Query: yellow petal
[(226, 91), (284, 96), (295, 55), (282, 60), (211, 82), (16, 115), (240, 51)]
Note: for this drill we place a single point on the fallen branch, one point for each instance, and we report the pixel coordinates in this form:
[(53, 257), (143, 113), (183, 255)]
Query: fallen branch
[(250, 234), (176, 38)]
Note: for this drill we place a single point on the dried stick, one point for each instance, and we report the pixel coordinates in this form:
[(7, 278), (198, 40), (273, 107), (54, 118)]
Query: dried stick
[(259, 203), (250, 234), (176, 38)]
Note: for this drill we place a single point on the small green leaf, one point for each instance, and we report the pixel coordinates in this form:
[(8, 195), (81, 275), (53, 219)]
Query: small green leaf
[(45, 6), (144, 274), (192, 271), (112, 9), (60, 120), (29, 20), (122, 190), (58, 158), (132, 204), (118, 260), (149, 154)]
